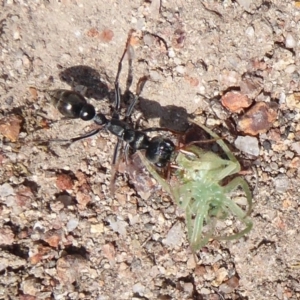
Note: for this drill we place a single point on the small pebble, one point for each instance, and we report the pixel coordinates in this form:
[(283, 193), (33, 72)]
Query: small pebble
[(72, 224), (245, 4), (290, 41), (155, 76), (293, 100), (6, 190), (296, 147), (259, 118), (235, 101), (138, 288), (66, 200), (180, 69), (230, 285), (251, 87), (97, 228), (247, 144), (171, 53), (289, 154), (6, 236), (250, 31), (220, 112), (281, 183), (119, 226), (290, 69), (16, 35), (274, 166), (191, 264), (221, 274), (205, 291), (229, 78), (174, 236), (188, 287), (267, 145)]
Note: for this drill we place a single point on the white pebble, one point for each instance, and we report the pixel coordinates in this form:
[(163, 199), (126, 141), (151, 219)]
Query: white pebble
[(6, 190), (281, 183), (72, 224), (247, 144), (171, 53), (290, 69), (250, 31), (180, 69), (290, 41), (174, 236), (138, 288)]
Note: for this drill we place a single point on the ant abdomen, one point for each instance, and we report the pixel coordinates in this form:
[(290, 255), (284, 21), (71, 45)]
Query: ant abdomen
[(72, 104)]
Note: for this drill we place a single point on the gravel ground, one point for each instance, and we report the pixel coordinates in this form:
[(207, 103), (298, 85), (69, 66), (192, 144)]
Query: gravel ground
[(62, 234)]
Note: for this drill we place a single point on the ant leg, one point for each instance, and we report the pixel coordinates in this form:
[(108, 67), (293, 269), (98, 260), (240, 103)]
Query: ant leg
[(219, 140), (130, 54), (115, 165), (139, 89), (128, 49), (126, 152), (81, 137), (117, 88), (116, 114), (161, 129), (116, 150), (155, 129)]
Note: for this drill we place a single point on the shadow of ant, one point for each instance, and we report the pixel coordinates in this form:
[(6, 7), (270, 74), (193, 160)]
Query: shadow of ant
[(88, 77), (171, 117)]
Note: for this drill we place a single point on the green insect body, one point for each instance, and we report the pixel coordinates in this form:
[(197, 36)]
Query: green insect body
[(199, 191)]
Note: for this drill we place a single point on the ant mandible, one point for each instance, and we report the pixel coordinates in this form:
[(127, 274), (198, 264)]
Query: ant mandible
[(158, 150)]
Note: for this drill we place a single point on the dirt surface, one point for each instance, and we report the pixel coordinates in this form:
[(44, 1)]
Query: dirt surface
[(62, 235)]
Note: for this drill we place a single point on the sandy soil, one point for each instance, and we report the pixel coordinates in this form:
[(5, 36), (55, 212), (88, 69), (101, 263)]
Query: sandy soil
[(62, 235)]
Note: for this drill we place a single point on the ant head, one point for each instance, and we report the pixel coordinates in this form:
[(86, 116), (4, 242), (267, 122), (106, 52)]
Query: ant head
[(160, 151), (100, 119), (87, 112)]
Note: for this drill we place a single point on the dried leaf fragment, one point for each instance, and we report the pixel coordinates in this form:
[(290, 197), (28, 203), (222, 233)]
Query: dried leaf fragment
[(193, 81), (178, 38), (229, 79), (235, 101), (106, 35), (109, 252), (23, 197), (70, 267), (10, 127), (230, 285), (93, 32), (6, 236), (83, 199), (251, 86), (144, 184), (30, 286), (33, 92), (256, 64), (38, 253), (53, 237), (259, 118), (293, 100), (64, 182)]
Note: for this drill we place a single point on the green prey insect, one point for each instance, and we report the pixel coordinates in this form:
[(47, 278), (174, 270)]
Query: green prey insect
[(199, 191)]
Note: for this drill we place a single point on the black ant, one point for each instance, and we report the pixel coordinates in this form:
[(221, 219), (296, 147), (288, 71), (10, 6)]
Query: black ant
[(158, 150)]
